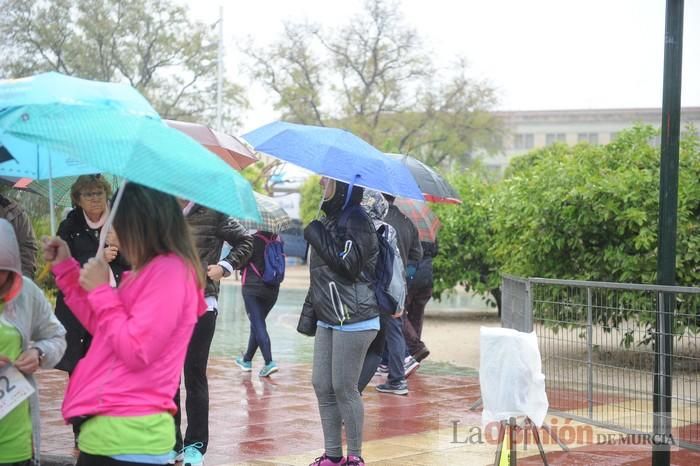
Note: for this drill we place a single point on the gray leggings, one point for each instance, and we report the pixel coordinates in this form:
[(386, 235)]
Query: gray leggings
[(338, 358)]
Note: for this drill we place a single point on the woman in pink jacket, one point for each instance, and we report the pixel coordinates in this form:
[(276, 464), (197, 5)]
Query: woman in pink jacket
[(121, 392)]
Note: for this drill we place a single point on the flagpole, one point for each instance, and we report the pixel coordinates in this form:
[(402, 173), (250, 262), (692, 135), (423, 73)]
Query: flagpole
[(220, 69)]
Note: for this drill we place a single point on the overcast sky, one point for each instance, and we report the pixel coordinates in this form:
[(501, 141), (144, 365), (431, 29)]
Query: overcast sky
[(538, 54)]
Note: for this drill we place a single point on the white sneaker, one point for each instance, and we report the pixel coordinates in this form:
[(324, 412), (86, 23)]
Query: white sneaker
[(409, 365)]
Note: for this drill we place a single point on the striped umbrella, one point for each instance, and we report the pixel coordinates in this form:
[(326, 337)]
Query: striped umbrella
[(273, 217), (422, 217)]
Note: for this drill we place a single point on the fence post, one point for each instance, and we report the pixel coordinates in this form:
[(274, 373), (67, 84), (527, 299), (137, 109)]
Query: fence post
[(662, 439), (589, 331), (529, 309)]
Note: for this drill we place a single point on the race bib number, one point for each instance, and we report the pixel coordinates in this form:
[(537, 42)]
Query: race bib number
[(14, 389)]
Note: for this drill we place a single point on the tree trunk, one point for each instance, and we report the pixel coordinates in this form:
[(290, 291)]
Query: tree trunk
[(496, 293)]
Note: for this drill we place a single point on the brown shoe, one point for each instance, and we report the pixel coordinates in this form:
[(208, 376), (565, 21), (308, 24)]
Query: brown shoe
[(421, 354)]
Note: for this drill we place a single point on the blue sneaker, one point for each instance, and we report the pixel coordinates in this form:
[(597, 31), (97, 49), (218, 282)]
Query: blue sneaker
[(268, 369), (396, 388), (175, 456), (192, 455), (246, 366)]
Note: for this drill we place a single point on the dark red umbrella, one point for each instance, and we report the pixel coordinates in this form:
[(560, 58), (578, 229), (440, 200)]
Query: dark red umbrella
[(231, 149)]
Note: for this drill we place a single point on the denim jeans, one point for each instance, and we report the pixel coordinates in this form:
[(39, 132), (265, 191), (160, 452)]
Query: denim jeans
[(395, 348), (257, 308)]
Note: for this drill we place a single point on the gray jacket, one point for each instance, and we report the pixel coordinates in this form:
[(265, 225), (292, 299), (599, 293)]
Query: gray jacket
[(24, 233), (31, 314)]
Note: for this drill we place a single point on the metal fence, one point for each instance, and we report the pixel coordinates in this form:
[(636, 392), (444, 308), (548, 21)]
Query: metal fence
[(598, 343)]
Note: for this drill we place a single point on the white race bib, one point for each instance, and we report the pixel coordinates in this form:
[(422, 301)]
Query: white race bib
[(14, 389)]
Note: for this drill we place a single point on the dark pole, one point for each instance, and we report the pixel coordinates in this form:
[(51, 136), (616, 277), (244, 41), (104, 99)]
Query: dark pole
[(668, 207)]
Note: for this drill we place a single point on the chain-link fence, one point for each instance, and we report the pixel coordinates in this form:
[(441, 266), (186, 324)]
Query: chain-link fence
[(598, 343)]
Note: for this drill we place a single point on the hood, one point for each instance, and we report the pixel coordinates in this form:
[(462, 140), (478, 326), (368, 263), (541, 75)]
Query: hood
[(9, 257), (374, 204), (335, 204)]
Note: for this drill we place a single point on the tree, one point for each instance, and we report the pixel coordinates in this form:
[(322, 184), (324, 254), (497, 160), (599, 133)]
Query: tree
[(150, 44), (311, 193), (375, 78), (464, 240)]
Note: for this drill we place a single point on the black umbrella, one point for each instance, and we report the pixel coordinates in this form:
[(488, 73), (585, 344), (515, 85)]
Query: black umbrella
[(433, 186)]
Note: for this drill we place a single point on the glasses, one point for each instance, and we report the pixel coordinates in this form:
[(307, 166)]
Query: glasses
[(92, 194)]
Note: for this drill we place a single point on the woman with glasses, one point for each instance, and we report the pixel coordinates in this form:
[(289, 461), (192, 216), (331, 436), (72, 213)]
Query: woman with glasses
[(82, 229)]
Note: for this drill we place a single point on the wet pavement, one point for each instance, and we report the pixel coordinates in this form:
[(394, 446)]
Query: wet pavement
[(258, 421)]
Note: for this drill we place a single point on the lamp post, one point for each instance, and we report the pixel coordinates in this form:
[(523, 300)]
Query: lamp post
[(668, 210)]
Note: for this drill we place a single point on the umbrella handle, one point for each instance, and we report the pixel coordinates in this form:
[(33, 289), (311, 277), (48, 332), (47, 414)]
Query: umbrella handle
[(52, 208), (110, 219)]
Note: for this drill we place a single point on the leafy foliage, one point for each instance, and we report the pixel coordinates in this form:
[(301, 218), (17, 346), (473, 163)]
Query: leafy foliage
[(591, 212), (583, 212), (151, 44), (464, 240), (311, 193)]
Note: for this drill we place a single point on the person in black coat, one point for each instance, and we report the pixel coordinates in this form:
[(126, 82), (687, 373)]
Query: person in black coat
[(210, 229), (81, 229), (344, 251)]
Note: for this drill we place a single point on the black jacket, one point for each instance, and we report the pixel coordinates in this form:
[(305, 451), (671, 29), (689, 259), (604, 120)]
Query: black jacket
[(349, 274), (407, 233), (210, 229), (83, 242), (254, 285)]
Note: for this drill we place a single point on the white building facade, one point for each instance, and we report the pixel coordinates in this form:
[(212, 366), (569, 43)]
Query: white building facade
[(532, 129)]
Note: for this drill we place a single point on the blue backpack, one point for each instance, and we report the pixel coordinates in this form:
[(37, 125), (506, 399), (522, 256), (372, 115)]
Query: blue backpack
[(273, 274)]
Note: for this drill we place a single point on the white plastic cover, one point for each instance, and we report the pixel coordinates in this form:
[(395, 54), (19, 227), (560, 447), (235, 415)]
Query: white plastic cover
[(511, 378)]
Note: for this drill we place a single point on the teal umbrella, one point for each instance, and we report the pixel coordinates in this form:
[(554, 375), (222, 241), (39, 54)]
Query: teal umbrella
[(54, 126)]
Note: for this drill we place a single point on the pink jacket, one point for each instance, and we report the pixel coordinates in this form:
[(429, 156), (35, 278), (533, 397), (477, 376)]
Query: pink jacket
[(140, 335)]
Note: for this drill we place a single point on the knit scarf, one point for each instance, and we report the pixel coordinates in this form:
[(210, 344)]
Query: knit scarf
[(103, 233)]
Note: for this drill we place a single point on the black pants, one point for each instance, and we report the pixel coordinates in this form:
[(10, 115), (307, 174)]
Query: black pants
[(196, 385), (413, 320), (257, 308), (86, 459)]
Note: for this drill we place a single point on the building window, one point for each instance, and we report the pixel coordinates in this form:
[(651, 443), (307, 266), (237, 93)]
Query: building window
[(591, 138), (551, 138), (524, 141)]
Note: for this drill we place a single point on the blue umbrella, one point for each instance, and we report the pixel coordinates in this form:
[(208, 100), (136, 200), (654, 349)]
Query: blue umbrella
[(54, 125), (337, 154)]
